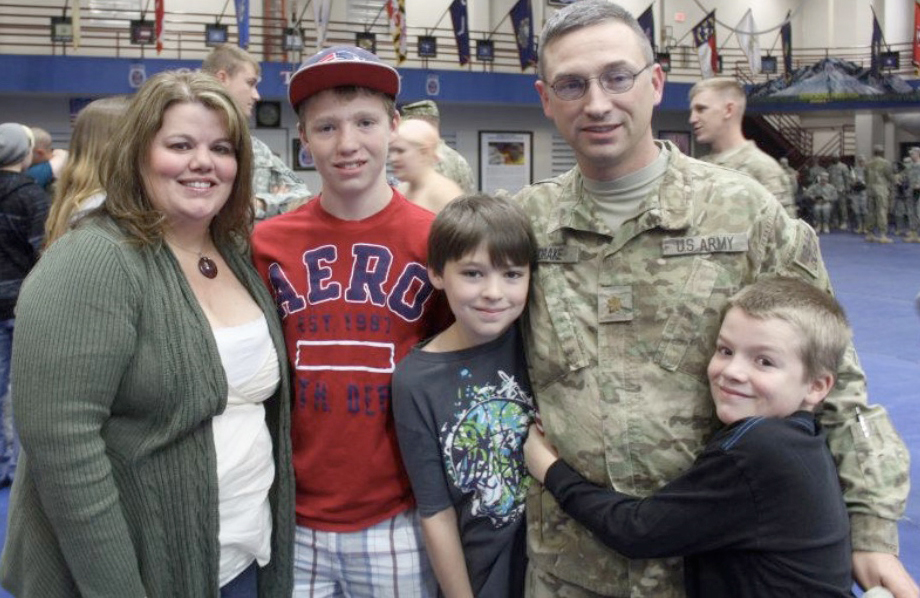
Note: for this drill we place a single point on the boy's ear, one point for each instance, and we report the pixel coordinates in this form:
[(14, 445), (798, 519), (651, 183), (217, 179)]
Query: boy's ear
[(222, 76), (819, 388), (302, 133), (437, 281)]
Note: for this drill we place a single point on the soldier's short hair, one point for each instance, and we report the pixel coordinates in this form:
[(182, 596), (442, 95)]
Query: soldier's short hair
[(229, 58), (586, 13), (726, 87), (476, 219), (814, 314)]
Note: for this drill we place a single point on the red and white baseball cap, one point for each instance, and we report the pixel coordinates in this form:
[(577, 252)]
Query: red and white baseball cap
[(341, 66)]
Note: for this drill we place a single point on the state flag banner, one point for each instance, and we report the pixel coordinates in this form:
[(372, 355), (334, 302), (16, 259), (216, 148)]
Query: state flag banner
[(917, 34), (785, 34), (704, 36), (522, 22), (877, 40), (647, 23), (747, 39), (460, 20)]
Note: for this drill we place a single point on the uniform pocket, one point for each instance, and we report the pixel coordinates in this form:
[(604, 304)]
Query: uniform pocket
[(688, 338), (554, 347)]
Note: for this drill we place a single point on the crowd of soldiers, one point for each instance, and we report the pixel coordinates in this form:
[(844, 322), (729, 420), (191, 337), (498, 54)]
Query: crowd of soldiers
[(872, 197)]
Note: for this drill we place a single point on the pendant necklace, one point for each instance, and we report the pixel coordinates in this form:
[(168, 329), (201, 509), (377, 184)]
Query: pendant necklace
[(206, 265)]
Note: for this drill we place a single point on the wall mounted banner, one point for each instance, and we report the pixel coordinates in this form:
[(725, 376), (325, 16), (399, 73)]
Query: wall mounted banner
[(704, 36), (460, 20), (242, 22)]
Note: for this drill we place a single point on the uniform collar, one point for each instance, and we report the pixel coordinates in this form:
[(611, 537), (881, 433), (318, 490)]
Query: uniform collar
[(668, 207)]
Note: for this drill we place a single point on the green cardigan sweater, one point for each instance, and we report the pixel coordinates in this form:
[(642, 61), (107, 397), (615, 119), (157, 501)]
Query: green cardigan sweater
[(117, 376)]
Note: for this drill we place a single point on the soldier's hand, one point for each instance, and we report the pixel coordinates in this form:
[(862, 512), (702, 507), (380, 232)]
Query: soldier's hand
[(873, 569)]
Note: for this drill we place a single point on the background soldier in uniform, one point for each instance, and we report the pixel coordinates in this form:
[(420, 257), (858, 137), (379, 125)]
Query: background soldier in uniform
[(879, 181), (275, 187), (858, 201), (839, 177), (823, 196), (450, 162), (716, 109), (640, 248), (913, 176)]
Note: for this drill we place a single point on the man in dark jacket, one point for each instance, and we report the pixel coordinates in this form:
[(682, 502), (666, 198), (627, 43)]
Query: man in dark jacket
[(23, 209)]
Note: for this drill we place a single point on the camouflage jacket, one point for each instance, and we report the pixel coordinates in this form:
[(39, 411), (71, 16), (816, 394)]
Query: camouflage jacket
[(750, 160), (879, 176), (839, 175), (621, 329), (793, 176), (272, 181), (455, 167), (913, 175)]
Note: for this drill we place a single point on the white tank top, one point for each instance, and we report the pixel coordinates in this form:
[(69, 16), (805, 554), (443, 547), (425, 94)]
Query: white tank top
[(245, 467)]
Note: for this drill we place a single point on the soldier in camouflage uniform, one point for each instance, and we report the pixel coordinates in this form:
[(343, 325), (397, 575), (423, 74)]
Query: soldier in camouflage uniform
[(792, 174), (901, 220), (811, 175), (858, 200), (450, 162), (716, 110), (839, 177), (275, 187), (913, 176), (626, 307), (879, 181), (823, 196)]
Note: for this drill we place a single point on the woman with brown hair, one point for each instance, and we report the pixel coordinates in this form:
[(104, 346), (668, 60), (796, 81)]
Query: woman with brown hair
[(152, 405)]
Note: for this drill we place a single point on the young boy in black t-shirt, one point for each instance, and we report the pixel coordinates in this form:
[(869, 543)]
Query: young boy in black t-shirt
[(463, 404)]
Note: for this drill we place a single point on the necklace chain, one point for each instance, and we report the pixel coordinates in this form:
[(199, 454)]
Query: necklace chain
[(206, 266)]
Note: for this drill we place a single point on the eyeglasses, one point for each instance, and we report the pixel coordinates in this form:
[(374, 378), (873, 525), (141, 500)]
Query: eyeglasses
[(615, 80)]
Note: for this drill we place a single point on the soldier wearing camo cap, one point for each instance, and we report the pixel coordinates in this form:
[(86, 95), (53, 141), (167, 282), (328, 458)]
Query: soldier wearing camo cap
[(640, 249), (879, 181), (450, 162), (839, 177), (792, 174), (858, 199), (716, 110), (913, 176), (901, 216)]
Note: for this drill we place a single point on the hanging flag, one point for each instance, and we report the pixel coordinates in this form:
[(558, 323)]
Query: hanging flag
[(321, 10), (917, 36), (75, 23), (704, 35), (461, 32), (522, 21), (747, 39), (242, 22), (785, 34), (877, 37), (158, 23), (396, 11), (647, 22)]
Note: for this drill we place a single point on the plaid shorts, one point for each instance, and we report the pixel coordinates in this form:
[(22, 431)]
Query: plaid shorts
[(386, 560)]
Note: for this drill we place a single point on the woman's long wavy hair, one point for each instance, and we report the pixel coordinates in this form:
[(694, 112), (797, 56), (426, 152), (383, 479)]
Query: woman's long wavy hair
[(128, 201), (92, 132)]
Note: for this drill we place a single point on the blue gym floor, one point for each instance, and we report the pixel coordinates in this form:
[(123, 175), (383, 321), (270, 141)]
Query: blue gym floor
[(877, 285)]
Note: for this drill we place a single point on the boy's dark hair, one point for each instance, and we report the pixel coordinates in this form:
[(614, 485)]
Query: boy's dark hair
[(476, 219), (817, 317)]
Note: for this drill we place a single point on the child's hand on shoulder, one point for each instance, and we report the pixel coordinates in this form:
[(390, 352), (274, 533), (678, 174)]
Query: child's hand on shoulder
[(539, 454)]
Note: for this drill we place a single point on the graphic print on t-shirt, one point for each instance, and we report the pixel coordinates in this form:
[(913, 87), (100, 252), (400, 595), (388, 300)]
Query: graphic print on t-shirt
[(483, 447)]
